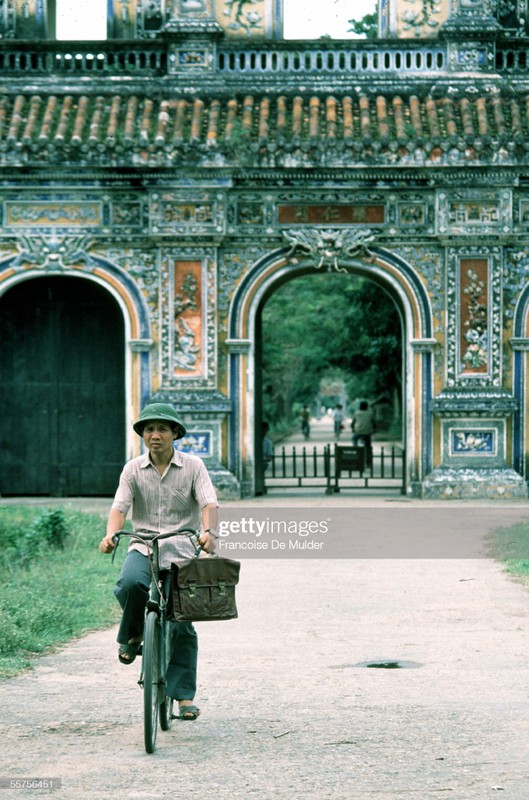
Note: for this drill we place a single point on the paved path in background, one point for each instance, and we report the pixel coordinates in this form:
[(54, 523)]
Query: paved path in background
[(322, 433), (289, 713)]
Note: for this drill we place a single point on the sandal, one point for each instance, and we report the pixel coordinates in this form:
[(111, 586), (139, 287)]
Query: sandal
[(128, 652), (188, 713)]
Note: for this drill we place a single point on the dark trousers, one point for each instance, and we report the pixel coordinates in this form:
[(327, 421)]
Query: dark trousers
[(132, 592)]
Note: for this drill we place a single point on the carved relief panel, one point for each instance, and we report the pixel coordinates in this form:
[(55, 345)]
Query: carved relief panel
[(173, 212), (475, 212)]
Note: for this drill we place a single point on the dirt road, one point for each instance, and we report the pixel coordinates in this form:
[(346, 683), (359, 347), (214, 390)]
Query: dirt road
[(288, 710)]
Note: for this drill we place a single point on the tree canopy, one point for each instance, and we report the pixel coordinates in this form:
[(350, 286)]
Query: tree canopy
[(366, 28)]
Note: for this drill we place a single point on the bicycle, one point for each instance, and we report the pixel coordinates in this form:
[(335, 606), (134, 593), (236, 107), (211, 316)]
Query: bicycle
[(156, 647)]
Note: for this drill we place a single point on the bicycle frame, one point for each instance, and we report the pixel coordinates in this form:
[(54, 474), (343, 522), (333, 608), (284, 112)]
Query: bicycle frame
[(156, 638)]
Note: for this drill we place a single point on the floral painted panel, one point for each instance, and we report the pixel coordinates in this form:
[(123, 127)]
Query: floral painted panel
[(242, 17), (472, 442), (199, 443), (474, 316), (188, 351), (414, 18)]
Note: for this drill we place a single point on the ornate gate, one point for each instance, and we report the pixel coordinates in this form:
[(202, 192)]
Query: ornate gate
[(61, 389)]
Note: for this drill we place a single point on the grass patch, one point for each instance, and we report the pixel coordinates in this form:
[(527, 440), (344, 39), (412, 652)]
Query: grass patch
[(55, 585), (511, 546)]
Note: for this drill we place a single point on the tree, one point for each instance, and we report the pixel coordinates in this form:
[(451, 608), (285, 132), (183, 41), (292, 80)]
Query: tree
[(366, 28)]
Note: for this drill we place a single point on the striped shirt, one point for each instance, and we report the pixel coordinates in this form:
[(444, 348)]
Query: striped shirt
[(163, 503)]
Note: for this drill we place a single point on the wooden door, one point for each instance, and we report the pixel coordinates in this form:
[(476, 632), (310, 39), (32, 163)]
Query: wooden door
[(62, 393)]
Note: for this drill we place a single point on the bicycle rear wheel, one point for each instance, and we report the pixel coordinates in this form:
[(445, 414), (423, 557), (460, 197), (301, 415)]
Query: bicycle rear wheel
[(151, 679)]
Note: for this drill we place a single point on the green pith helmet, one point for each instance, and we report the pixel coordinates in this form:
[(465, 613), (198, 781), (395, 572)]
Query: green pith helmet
[(159, 411)]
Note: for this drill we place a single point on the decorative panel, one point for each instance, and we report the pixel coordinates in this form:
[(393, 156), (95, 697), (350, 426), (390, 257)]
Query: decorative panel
[(474, 328), (476, 212), (203, 437), (256, 18), (199, 443), (188, 331), (188, 308), (191, 9), (463, 441), (151, 17), (330, 214), (190, 56), (59, 212), (7, 19), (473, 445), (474, 351), (412, 18), (468, 57), (179, 213), (402, 215), (31, 19), (411, 214), (52, 214), (122, 19)]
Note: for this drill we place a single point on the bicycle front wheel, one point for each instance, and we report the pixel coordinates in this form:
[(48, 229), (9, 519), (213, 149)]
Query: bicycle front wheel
[(151, 679), (166, 714), (166, 703)]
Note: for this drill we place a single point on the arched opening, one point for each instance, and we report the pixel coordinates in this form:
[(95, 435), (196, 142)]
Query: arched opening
[(398, 278), (62, 388), (329, 345), (520, 346)]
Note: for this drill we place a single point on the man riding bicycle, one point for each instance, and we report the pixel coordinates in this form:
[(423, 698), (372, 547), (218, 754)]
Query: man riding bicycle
[(167, 489)]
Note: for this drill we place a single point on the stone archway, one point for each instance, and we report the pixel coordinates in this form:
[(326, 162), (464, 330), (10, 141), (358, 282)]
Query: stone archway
[(520, 345), (401, 281)]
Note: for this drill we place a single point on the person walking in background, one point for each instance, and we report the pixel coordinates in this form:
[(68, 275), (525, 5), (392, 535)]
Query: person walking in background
[(337, 416), (363, 426), (166, 490), (305, 422), (268, 447)]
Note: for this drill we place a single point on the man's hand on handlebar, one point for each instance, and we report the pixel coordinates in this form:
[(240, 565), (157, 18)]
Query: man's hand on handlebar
[(207, 541), (107, 545)]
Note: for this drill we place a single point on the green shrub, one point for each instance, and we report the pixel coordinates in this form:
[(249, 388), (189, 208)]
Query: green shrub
[(48, 530), (511, 545), (64, 590)]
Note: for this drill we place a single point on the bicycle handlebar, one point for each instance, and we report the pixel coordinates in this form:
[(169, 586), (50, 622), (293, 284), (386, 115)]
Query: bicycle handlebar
[(151, 537)]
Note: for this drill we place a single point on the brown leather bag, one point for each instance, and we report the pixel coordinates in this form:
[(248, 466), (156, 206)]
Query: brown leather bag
[(203, 589)]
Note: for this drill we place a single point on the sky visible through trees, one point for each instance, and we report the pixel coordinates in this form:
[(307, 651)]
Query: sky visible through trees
[(303, 19), (310, 19)]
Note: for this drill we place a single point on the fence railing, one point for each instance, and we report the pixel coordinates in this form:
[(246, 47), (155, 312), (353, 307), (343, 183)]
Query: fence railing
[(333, 58), (337, 467)]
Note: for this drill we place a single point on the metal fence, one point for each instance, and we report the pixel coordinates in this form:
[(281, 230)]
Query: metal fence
[(336, 467)]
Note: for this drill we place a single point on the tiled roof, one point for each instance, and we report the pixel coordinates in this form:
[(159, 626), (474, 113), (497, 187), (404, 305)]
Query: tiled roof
[(358, 128)]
